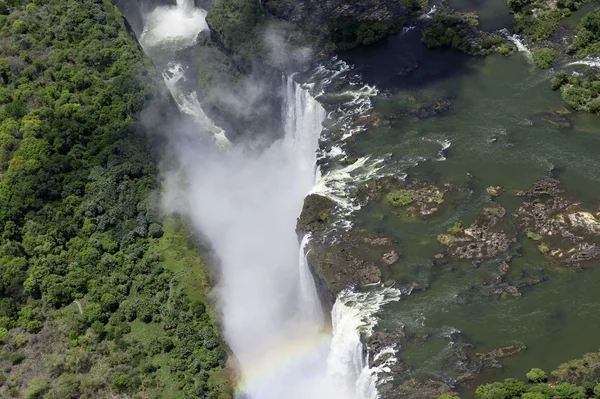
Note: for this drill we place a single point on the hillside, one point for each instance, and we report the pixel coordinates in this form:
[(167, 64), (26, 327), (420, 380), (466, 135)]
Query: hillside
[(90, 305)]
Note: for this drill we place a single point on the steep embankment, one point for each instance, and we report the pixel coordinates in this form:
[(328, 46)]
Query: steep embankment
[(90, 304)]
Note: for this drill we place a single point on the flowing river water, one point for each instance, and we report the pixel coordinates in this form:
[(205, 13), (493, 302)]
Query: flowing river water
[(246, 203)]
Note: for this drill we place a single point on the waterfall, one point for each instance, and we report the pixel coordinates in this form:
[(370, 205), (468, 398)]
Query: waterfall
[(167, 30), (354, 315), (308, 301), (177, 25), (246, 204)]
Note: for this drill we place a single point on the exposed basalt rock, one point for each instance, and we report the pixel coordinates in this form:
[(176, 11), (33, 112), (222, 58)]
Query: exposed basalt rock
[(389, 258), (493, 191), (350, 259), (491, 359), (483, 239), (424, 199), (315, 214), (378, 341), (319, 11), (558, 118), (565, 231)]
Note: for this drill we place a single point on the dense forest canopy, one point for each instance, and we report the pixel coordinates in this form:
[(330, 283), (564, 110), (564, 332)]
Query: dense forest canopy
[(89, 301)]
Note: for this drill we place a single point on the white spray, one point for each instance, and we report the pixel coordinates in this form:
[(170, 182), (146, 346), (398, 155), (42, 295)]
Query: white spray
[(246, 204)]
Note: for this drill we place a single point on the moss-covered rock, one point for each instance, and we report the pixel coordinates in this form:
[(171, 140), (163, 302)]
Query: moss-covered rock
[(315, 213), (484, 238), (400, 198)]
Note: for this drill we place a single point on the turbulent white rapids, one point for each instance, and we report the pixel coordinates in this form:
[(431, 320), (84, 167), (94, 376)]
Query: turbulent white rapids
[(247, 203)]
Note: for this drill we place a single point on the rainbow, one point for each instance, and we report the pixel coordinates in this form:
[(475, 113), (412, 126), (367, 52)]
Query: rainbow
[(281, 358)]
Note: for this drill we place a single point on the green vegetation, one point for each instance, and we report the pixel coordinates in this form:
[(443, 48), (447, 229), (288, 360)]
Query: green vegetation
[(456, 228), (400, 198), (581, 93), (459, 31), (538, 19), (587, 40), (90, 305), (240, 26), (346, 33), (576, 379), (536, 375), (544, 57), (535, 237)]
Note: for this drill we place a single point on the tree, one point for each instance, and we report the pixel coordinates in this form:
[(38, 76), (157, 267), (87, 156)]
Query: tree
[(536, 375)]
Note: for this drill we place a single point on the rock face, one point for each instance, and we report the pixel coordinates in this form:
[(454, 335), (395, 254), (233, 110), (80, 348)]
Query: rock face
[(134, 11), (318, 11)]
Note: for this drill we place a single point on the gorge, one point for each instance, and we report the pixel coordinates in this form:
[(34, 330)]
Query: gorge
[(298, 199)]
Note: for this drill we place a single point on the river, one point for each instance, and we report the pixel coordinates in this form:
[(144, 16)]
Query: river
[(246, 202)]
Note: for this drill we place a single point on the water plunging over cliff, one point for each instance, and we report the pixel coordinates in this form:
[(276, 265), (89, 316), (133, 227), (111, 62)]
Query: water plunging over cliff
[(178, 25), (247, 203)]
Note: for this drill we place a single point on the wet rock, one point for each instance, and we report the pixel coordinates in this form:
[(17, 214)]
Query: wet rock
[(483, 239), (557, 118), (493, 191), (507, 291), (339, 264), (567, 233), (379, 241), (389, 258), (381, 341), (315, 214), (491, 359), (412, 199)]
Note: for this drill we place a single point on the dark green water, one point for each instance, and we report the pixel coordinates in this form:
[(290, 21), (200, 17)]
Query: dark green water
[(499, 133)]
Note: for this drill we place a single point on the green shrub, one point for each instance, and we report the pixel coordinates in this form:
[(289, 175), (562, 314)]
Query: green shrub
[(120, 381), (16, 357), (544, 57), (569, 391), (533, 395), (36, 388), (560, 79), (400, 198), (536, 375)]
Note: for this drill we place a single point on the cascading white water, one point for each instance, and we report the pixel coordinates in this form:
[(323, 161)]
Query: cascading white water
[(590, 61), (353, 314), (171, 28), (179, 25), (246, 204), (308, 301), (516, 40)]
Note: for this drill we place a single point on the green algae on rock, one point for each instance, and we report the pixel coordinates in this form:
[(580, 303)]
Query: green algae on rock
[(484, 238)]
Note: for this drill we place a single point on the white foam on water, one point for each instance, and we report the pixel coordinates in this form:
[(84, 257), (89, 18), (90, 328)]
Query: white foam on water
[(177, 25), (337, 183), (590, 61), (516, 40), (354, 316)]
